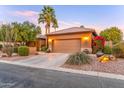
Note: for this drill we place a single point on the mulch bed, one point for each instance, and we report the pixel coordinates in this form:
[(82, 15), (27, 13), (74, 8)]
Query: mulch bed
[(116, 67)]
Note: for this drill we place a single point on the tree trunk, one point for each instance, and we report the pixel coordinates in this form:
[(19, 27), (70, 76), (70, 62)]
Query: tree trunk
[(46, 28), (55, 29)]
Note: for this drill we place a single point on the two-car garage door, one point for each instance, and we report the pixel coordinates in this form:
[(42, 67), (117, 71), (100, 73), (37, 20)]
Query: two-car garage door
[(67, 46)]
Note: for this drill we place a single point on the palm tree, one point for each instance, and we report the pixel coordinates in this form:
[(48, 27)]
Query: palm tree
[(55, 24), (47, 17)]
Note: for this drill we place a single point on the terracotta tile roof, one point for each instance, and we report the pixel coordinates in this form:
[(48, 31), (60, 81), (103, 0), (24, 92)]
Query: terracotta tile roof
[(72, 30)]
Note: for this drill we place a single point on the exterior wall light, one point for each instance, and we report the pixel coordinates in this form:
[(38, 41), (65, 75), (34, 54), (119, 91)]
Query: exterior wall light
[(86, 38), (50, 40)]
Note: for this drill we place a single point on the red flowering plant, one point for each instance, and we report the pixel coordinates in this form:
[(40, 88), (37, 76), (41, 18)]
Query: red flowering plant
[(98, 43)]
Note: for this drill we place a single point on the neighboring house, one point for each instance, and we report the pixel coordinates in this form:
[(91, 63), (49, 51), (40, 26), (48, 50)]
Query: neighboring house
[(71, 40), (41, 41)]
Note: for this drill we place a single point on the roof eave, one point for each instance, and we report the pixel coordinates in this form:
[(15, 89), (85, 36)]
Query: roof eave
[(71, 33)]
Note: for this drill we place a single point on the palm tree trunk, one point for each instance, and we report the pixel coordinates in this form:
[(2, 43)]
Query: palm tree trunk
[(45, 29), (55, 29), (46, 36), (48, 29)]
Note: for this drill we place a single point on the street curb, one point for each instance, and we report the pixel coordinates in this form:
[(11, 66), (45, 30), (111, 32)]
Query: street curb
[(91, 73)]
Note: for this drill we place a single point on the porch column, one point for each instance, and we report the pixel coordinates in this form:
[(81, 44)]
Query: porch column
[(86, 43), (50, 44)]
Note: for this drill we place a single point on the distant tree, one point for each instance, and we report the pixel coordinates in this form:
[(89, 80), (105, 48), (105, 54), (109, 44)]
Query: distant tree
[(38, 30), (16, 28), (6, 33), (29, 31), (18, 32), (21, 32), (7, 37), (112, 34), (47, 17)]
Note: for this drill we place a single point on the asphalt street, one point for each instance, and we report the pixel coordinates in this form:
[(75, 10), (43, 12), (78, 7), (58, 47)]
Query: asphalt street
[(14, 76)]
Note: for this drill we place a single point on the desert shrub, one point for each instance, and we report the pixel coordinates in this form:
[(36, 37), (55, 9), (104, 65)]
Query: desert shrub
[(23, 51), (79, 59), (44, 48), (118, 50), (7, 50), (107, 50), (1, 46)]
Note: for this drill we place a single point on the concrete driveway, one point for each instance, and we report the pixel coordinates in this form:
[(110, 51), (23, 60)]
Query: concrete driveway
[(47, 60)]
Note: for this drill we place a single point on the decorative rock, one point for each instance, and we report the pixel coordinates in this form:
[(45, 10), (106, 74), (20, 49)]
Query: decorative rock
[(112, 58), (99, 54), (86, 51), (14, 54)]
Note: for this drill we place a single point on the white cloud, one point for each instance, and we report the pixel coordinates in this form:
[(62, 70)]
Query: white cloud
[(29, 15), (26, 13), (64, 24)]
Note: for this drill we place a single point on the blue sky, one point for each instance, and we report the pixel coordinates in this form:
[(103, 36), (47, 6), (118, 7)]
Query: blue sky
[(97, 17)]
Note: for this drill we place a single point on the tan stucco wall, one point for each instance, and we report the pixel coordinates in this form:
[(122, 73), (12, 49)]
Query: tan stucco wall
[(40, 42)]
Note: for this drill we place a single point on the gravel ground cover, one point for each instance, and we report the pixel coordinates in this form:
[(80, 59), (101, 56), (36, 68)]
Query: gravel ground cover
[(116, 67)]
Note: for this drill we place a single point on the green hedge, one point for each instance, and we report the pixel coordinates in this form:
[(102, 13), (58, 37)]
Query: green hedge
[(23, 51), (107, 50)]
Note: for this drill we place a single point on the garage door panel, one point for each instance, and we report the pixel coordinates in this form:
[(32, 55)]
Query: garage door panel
[(64, 46)]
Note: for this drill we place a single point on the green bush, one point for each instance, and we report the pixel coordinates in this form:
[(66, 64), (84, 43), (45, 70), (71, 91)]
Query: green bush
[(44, 49), (23, 51), (118, 50), (15, 50), (79, 59), (107, 50)]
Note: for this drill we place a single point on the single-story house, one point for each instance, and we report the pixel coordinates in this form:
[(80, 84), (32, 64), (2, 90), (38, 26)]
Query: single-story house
[(71, 40)]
